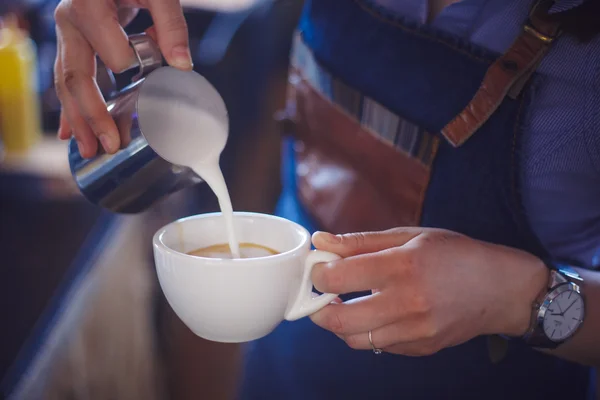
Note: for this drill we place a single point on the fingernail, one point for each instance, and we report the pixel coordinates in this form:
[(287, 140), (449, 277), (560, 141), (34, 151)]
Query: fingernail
[(182, 57), (107, 143), (329, 238)]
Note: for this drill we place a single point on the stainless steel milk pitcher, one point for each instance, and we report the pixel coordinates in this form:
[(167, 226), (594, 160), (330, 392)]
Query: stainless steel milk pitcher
[(135, 177)]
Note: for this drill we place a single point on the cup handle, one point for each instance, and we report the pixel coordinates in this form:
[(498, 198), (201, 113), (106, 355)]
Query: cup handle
[(305, 302)]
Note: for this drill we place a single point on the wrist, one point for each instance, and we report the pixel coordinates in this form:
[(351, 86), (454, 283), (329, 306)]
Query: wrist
[(521, 279)]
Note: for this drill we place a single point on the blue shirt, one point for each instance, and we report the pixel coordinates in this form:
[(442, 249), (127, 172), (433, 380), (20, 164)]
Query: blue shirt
[(561, 163)]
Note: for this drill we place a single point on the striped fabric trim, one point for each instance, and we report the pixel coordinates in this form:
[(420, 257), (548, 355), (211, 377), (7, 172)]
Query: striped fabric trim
[(374, 117), (564, 5)]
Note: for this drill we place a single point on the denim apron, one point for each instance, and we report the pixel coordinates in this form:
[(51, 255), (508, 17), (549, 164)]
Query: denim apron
[(360, 71)]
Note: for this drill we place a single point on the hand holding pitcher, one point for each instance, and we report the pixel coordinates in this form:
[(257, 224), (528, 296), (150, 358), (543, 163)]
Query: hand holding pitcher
[(87, 27)]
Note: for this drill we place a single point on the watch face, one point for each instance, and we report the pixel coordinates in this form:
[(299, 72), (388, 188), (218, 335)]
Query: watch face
[(564, 315)]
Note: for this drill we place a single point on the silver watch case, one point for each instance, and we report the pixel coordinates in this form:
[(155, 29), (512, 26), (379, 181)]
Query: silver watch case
[(561, 280)]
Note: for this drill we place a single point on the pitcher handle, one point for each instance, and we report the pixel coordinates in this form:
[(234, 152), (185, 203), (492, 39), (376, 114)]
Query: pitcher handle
[(148, 58), (147, 53)]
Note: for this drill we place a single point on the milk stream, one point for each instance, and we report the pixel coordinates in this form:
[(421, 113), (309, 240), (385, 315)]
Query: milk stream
[(213, 176)]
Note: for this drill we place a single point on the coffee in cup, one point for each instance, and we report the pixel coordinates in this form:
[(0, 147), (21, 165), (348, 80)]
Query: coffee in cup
[(222, 250), (228, 299)]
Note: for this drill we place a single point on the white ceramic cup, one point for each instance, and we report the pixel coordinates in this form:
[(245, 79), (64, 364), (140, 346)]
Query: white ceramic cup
[(238, 300)]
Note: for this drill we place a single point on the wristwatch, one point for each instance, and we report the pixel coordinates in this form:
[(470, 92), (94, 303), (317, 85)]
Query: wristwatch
[(559, 311)]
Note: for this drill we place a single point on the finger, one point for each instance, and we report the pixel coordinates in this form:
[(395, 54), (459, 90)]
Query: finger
[(337, 300), (79, 69), (172, 32), (98, 21), (354, 274), (124, 123), (351, 244), (418, 348), (152, 33), (407, 335), (86, 142), (64, 129), (357, 315), (127, 14)]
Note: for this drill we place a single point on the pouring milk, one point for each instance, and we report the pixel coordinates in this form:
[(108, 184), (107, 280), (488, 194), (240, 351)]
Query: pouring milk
[(202, 125)]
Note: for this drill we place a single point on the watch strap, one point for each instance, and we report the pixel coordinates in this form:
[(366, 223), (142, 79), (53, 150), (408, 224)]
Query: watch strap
[(568, 272)]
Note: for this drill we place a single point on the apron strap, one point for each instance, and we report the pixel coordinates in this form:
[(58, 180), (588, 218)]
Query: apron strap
[(508, 74)]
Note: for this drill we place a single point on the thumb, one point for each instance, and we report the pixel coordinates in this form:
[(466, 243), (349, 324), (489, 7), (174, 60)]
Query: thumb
[(171, 32), (351, 244)]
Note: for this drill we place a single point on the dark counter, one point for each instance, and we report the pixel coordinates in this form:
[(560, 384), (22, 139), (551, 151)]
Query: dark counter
[(47, 240)]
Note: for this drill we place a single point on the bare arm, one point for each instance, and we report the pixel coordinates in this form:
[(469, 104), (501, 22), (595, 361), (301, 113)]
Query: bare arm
[(452, 288)]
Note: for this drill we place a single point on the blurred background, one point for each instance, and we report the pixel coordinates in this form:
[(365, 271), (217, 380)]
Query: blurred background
[(81, 316)]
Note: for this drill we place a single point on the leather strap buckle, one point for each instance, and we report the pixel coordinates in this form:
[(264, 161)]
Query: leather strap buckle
[(544, 38), (508, 75)]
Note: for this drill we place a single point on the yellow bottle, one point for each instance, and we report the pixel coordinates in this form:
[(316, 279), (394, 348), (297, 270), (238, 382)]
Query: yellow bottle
[(20, 116)]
